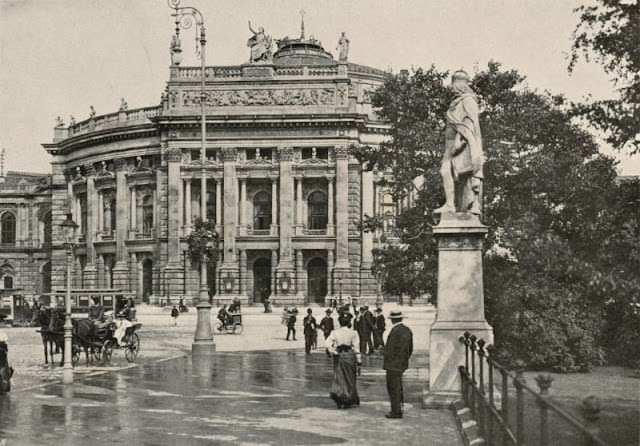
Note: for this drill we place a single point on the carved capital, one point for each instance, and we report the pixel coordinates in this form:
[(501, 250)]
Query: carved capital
[(341, 152), (174, 155), (229, 154), (121, 165), (89, 169), (285, 153)]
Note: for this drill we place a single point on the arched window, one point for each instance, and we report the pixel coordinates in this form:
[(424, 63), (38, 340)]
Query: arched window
[(8, 228), (147, 214), (262, 210), (8, 282), (46, 229), (317, 210)]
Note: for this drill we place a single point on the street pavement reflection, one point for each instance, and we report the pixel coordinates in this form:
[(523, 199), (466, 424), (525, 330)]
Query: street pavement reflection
[(234, 398)]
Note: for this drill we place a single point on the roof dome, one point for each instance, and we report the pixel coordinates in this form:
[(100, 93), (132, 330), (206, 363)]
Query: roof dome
[(301, 51)]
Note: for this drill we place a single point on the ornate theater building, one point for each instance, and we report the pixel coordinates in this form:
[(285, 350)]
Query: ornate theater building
[(283, 190)]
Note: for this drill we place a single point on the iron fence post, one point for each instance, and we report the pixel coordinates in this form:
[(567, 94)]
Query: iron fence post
[(544, 383), (472, 347), (482, 414), (505, 401), (591, 407), (518, 382)]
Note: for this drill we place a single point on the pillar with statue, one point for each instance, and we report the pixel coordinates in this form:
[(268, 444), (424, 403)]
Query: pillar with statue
[(460, 236)]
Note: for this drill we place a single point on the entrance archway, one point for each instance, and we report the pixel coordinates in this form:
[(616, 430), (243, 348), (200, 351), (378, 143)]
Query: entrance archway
[(261, 279), (317, 280), (147, 279)]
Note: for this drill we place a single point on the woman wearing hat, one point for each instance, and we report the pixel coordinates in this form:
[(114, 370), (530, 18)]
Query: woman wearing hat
[(344, 345)]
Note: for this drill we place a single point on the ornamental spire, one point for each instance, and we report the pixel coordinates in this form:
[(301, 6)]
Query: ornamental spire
[(302, 24)]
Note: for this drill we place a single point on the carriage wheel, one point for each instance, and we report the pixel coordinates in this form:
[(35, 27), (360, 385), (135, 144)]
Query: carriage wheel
[(97, 353), (132, 347), (107, 350), (75, 353), (237, 328)]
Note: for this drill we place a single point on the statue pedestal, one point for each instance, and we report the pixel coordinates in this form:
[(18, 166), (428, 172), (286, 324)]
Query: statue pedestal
[(460, 304)]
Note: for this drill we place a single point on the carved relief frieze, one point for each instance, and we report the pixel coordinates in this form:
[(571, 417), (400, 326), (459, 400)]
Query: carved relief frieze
[(281, 96), (173, 98), (342, 95)]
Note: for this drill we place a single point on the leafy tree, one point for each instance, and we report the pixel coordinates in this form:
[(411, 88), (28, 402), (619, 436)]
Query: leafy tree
[(203, 242), (609, 30), (547, 200)]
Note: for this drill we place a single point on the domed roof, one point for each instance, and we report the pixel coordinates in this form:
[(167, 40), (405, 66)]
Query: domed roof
[(301, 52)]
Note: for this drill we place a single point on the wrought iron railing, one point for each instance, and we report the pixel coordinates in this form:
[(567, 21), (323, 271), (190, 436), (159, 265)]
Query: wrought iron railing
[(490, 402)]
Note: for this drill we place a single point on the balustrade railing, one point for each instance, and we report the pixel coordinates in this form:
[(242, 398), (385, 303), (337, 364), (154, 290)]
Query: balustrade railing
[(314, 231), (259, 232), (490, 402), (112, 119)]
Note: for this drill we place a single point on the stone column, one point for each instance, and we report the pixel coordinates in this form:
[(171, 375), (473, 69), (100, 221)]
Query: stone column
[(300, 288), (243, 272), (274, 206), (230, 265), (285, 265), (299, 222), (134, 205), (133, 276), (218, 204), (78, 216), (329, 273), (174, 271), (181, 206), (78, 272), (187, 200), (342, 213), (367, 279), (243, 206), (460, 303), (121, 269), (90, 271), (100, 211), (274, 264), (331, 228)]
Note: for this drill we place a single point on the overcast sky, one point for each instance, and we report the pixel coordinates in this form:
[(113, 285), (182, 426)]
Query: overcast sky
[(58, 57)]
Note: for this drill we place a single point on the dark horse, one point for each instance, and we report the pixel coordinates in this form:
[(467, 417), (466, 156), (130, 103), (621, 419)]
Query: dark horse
[(6, 372), (50, 331), (90, 335)]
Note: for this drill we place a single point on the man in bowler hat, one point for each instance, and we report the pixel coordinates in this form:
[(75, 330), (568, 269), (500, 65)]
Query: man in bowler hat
[(396, 360)]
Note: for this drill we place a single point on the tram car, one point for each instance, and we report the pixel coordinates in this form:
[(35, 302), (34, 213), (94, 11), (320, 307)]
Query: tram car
[(14, 308), (110, 299)]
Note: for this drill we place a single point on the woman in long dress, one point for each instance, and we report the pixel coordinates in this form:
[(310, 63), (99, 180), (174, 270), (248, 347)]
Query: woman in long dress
[(344, 344)]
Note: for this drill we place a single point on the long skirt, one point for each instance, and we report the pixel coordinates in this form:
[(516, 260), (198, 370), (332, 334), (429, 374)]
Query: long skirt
[(343, 388)]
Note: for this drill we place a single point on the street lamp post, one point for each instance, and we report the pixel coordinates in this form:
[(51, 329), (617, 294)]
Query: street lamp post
[(340, 288), (184, 15), (183, 19), (68, 228)]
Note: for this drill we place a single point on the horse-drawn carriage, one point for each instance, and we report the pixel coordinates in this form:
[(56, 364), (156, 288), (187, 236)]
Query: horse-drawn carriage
[(98, 338)]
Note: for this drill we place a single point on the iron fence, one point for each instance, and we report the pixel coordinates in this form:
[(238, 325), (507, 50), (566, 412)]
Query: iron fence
[(489, 397)]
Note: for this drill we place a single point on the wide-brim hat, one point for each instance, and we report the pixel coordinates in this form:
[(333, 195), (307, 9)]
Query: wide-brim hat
[(396, 314), (378, 310), (328, 311)]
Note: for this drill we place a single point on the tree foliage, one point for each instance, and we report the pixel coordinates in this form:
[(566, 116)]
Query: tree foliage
[(203, 242), (609, 31), (550, 199)]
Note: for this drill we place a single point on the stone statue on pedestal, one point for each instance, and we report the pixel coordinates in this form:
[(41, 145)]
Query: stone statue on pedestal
[(343, 48), (463, 158), (260, 45)]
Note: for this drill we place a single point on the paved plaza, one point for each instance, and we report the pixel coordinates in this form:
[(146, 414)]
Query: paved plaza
[(257, 389)]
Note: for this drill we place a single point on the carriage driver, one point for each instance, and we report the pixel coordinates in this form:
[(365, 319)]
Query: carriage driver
[(96, 315)]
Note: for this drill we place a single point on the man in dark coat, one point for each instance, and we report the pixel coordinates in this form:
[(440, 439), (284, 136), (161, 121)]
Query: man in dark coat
[(366, 328), (291, 324), (310, 325), (378, 329), (396, 360), (326, 324)]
